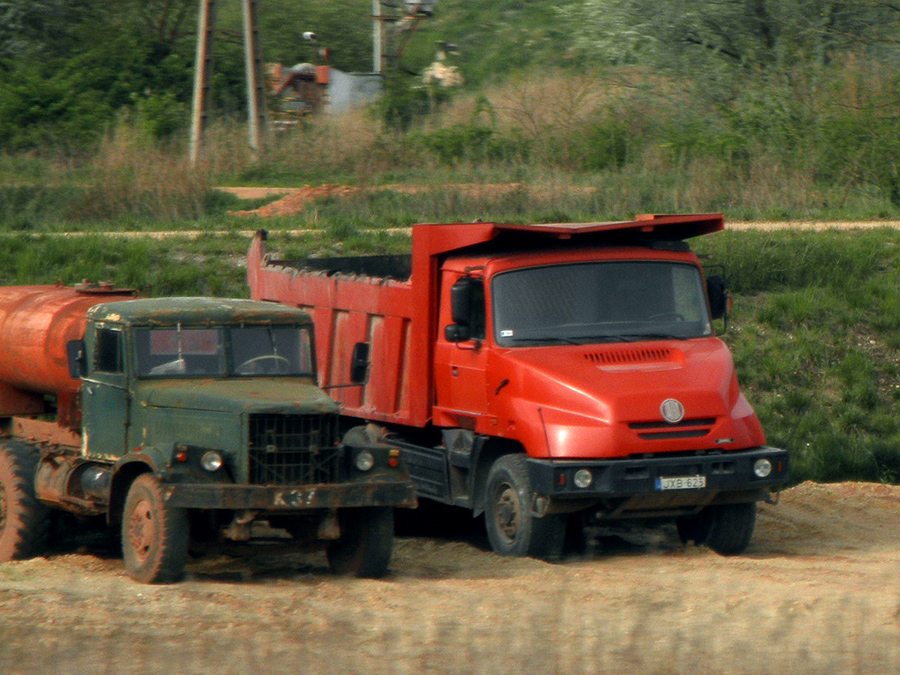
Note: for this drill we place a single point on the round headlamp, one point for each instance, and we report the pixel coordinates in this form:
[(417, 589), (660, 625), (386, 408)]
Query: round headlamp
[(364, 460), (762, 468), (583, 478), (211, 461)]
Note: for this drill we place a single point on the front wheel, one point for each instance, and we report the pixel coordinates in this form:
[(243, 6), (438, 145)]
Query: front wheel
[(366, 543), (24, 521), (154, 535), (512, 528), (731, 527)]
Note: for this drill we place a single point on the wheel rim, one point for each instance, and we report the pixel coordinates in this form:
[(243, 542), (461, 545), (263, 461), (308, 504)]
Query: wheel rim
[(142, 529), (507, 514)]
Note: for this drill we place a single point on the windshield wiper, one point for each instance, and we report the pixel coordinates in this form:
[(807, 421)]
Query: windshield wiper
[(637, 337), (547, 340)]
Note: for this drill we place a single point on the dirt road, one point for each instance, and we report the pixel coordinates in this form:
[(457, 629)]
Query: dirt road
[(818, 592)]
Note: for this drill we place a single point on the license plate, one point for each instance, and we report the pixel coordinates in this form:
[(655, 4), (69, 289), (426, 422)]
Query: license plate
[(681, 483)]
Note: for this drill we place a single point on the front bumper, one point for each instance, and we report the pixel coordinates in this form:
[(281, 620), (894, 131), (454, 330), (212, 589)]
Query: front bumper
[(724, 472), (285, 498)]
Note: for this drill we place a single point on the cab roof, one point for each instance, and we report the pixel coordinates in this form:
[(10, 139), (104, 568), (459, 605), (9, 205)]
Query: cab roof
[(196, 312)]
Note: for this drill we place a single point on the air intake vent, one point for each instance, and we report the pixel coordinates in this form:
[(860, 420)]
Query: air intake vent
[(620, 357)]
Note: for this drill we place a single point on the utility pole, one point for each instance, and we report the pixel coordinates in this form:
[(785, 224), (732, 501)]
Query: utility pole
[(256, 100), (202, 74), (377, 37)]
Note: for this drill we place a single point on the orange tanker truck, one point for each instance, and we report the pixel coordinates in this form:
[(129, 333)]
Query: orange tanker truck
[(545, 375), (182, 421)]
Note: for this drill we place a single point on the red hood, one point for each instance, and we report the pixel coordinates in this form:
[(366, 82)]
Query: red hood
[(605, 400)]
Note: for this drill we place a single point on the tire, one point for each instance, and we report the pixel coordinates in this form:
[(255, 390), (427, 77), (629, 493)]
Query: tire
[(512, 529), (24, 521), (154, 536), (731, 527), (366, 543), (694, 528)]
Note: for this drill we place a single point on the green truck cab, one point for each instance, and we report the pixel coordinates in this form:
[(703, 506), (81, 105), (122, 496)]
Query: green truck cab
[(201, 420)]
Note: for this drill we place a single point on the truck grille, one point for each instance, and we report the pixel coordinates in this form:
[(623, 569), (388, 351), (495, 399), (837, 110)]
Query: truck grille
[(294, 449), (664, 431)]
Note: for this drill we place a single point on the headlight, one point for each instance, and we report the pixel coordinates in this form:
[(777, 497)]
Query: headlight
[(211, 461), (583, 478), (762, 468), (364, 460)]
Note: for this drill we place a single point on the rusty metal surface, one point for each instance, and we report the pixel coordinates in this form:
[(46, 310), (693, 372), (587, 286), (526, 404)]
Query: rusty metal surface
[(398, 493), (46, 433), (196, 312)]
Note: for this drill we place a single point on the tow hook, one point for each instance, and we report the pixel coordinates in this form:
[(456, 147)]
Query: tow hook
[(770, 499)]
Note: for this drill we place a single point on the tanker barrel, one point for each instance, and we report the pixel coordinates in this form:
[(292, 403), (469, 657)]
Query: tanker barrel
[(36, 323)]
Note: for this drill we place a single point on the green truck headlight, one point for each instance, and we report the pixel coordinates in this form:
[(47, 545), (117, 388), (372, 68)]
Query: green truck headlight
[(364, 460), (212, 461)]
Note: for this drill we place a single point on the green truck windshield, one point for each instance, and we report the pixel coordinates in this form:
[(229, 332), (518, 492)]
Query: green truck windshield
[(224, 351), (584, 303)]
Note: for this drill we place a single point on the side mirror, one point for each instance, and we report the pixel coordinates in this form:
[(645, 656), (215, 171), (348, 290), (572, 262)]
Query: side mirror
[(457, 332), (359, 363), (77, 356), (718, 296)]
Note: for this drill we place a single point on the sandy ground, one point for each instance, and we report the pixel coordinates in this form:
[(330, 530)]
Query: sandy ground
[(817, 592)]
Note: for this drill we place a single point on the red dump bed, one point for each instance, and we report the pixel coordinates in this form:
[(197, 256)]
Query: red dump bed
[(399, 318)]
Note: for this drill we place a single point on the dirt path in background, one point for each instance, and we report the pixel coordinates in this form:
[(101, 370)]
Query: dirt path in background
[(817, 592), (294, 200)]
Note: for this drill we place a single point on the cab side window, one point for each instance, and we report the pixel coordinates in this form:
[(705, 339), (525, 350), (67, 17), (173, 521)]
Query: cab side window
[(108, 357)]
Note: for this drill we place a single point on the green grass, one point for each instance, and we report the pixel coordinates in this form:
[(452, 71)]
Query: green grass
[(815, 341)]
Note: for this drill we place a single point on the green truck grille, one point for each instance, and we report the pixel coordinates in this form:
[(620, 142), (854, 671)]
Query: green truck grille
[(294, 449)]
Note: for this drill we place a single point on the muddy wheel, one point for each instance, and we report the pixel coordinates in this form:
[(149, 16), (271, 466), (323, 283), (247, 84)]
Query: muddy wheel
[(511, 527), (154, 535), (366, 543), (24, 521), (731, 527)]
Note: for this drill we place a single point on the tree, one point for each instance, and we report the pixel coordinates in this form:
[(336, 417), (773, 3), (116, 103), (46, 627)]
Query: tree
[(754, 35)]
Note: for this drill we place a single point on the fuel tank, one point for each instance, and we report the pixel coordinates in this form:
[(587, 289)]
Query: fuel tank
[(36, 322)]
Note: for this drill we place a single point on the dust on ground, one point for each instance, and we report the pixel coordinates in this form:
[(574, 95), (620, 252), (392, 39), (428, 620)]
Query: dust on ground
[(818, 591)]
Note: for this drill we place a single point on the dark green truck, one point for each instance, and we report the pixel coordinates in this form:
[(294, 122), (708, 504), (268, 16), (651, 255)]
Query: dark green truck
[(200, 421)]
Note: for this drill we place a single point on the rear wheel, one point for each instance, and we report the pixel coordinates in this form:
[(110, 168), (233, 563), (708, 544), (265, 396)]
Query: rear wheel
[(154, 535), (24, 521), (512, 528), (366, 543)]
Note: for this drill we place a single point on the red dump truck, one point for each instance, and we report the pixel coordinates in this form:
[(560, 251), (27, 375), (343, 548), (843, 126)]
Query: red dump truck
[(545, 374)]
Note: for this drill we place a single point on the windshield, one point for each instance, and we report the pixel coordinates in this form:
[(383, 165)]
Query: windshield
[(586, 303), (203, 352), (268, 350)]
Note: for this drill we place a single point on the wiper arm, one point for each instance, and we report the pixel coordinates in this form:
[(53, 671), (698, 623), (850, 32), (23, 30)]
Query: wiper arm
[(547, 340), (636, 337)]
